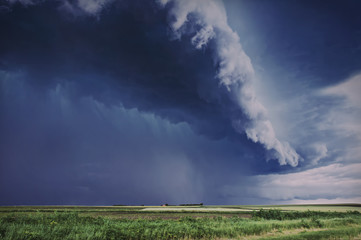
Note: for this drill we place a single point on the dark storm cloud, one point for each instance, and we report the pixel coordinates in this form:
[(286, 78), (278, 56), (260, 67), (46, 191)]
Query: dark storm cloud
[(123, 61), (105, 102), (64, 150), (130, 45), (128, 49)]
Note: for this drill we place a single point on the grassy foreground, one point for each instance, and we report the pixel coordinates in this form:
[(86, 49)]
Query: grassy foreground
[(78, 223)]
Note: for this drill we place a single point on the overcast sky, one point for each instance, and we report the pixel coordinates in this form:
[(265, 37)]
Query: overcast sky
[(108, 102)]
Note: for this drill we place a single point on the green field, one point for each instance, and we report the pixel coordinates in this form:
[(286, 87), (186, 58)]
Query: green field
[(179, 222)]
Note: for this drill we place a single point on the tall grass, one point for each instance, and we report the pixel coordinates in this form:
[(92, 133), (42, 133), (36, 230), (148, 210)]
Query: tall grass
[(70, 225), (288, 215)]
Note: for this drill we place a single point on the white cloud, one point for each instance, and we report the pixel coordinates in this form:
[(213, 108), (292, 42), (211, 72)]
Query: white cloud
[(316, 151), (202, 37), (350, 89), (235, 70), (324, 125), (346, 116), (324, 182), (335, 183), (324, 201), (92, 6)]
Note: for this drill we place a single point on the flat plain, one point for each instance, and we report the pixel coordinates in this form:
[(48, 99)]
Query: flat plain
[(342, 221)]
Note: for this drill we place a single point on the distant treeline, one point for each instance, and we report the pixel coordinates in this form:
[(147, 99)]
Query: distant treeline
[(184, 204), (165, 204), (191, 204)]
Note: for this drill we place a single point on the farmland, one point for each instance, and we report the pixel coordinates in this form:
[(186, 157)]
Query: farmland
[(181, 222)]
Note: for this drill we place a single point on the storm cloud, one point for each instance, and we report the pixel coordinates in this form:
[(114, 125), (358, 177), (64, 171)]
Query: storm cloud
[(141, 102)]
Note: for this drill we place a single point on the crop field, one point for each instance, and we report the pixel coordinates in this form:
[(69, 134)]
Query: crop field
[(181, 222)]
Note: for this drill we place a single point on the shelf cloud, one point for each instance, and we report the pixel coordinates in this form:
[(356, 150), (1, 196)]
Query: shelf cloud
[(146, 102)]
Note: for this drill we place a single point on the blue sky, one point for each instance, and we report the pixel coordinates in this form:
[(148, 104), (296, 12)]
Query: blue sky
[(144, 102)]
